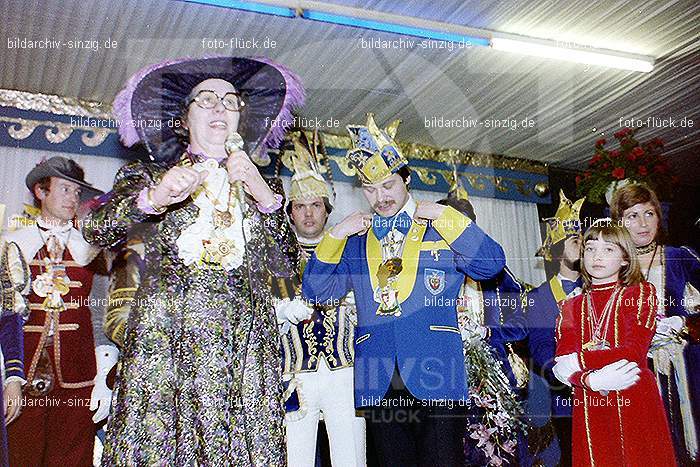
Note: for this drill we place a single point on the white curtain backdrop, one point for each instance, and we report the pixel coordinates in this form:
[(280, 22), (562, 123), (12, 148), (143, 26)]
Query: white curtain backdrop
[(514, 224)]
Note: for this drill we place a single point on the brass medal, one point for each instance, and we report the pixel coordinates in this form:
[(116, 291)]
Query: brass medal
[(387, 293), (596, 345), (222, 219)]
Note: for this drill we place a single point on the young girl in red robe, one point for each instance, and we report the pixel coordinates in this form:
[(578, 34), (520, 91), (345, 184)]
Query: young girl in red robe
[(603, 336)]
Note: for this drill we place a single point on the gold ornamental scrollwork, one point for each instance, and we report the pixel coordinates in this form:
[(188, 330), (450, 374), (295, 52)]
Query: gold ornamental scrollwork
[(95, 136), (477, 182), (92, 137), (425, 175), (20, 128), (51, 103), (446, 175), (522, 188), (474, 181), (56, 132), (449, 156), (498, 182), (59, 133), (335, 141), (342, 164)]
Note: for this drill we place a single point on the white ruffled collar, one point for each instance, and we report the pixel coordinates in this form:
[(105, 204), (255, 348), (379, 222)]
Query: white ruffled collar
[(31, 239), (203, 241), (309, 241)]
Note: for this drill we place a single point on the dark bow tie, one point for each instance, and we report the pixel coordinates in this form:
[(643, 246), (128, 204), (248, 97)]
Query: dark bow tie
[(382, 225), (570, 286)]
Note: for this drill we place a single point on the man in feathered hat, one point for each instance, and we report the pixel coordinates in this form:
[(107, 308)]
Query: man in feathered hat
[(200, 377), (561, 251), (317, 341), (405, 263), (62, 366)]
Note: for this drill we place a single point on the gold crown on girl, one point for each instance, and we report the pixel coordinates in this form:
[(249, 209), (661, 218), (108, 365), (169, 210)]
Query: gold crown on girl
[(374, 155)]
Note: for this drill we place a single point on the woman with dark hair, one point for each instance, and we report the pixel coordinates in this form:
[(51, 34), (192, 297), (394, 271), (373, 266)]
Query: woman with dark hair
[(675, 352), (200, 380)]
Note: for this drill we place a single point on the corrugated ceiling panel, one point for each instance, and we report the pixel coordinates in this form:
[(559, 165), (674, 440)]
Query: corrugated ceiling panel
[(345, 79)]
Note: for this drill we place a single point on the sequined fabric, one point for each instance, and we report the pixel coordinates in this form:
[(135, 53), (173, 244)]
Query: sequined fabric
[(200, 380)]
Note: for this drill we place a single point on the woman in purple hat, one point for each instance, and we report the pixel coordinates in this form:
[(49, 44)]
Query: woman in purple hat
[(200, 379)]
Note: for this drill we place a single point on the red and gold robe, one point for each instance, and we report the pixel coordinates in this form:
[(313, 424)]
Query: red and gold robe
[(622, 428), (57, 426), (72, 353)]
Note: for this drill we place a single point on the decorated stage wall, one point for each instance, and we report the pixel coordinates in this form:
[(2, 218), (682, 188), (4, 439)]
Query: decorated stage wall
[(502, 190)]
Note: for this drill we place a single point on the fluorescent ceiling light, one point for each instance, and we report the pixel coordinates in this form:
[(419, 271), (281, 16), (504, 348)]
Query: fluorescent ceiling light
[(578, 54), (255, 7), (418, 27), (393, 28)]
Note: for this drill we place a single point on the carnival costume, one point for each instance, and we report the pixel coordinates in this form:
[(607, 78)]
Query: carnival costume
[(549, 401), (125, 279), (200, 381), (676, 358), (605, 324), (406, 275), (62, 366), (14, 283), (318, 345)]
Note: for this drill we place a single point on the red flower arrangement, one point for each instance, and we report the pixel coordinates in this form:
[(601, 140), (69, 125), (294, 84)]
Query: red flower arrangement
[(639, 162)]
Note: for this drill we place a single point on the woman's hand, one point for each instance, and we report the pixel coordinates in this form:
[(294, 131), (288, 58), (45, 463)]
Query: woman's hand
[(666, 327), (241, 168), (177, 184)]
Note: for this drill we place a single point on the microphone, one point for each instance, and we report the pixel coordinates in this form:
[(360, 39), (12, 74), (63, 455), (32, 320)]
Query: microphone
[(234, 142)]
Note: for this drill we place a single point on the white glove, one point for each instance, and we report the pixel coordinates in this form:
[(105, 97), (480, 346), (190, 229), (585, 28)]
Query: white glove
[(566, 366), (666, 326), (101, 397), (293, 311), (616, 376), (280, 305)]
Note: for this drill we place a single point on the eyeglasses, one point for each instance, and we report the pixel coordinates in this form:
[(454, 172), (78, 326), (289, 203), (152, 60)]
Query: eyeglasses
[(209, 99)]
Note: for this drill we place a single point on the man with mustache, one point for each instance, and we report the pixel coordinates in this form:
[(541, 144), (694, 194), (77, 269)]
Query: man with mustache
[(561, 251), (65, 373), (405, 263)]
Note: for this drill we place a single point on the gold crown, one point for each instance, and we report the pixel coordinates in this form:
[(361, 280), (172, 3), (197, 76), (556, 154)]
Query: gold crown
[(307, 181), (375, 155), (566, 222)]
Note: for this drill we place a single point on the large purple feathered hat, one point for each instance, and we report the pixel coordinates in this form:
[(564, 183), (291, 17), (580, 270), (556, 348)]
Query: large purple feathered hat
[(153, 100)]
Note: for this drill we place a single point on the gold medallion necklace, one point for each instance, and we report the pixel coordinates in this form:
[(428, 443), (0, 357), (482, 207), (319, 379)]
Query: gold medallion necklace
[(598, 325)]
